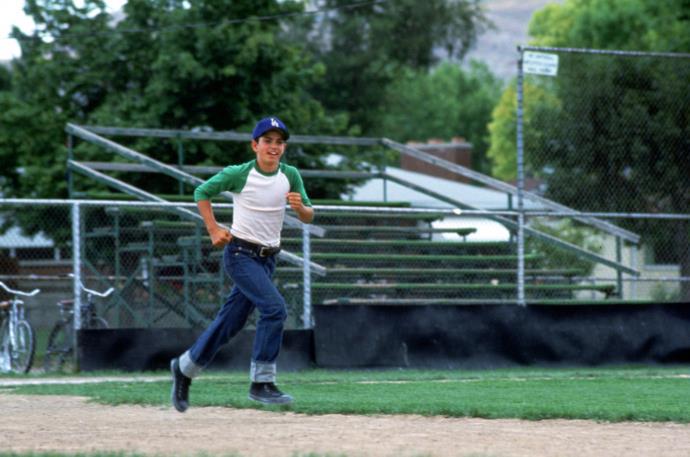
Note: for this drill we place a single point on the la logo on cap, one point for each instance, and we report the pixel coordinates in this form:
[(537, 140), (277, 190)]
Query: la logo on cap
[(269, 123)]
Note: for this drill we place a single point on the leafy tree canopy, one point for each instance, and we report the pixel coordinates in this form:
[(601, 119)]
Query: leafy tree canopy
[(600, 24), (443, 103), (208, 64), (366, 48), (5, 78), (618, 112), (502, 127), (619, 139), (639, 25)]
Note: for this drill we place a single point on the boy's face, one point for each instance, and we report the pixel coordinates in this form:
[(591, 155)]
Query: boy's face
[(269, 148)]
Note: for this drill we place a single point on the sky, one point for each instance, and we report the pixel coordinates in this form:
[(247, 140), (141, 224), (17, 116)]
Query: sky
[(12, 13)]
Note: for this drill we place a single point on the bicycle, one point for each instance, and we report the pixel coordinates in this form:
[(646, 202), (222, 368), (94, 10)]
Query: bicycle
[(17, 336), (59, 353)]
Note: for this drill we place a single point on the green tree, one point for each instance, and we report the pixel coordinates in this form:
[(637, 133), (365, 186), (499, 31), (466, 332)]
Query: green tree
[(502, 127), (601, 24), (623, 123), (5, 78), (366, 48), (206, 64), (567, 230), (209, 64), (442, 103), (635, 25)]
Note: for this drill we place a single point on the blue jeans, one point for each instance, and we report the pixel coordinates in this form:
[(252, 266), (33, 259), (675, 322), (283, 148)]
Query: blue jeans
[(253, 288)]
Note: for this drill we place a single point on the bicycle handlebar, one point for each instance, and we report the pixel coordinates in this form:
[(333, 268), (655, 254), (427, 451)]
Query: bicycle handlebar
[(19, 292), (99, 294), (91, 291)]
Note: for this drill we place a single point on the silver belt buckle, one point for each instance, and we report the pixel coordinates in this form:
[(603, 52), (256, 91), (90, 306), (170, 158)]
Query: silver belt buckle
[(266, 251)]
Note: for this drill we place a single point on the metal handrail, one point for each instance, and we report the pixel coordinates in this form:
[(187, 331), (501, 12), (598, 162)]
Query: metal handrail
[(178, 208), (227, 136), (89, 133), (536, 233), (508, 188), (161, 167), (454, 211)]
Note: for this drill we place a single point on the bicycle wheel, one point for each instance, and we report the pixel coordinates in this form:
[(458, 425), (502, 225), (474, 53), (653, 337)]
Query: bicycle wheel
[(97, 322), (58, 354), (23, 348)]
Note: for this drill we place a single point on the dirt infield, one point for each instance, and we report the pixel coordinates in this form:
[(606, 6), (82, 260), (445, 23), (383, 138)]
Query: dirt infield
[(72, 424)]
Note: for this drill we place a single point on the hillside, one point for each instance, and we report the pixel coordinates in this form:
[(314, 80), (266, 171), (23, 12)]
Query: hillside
[(498, 47)]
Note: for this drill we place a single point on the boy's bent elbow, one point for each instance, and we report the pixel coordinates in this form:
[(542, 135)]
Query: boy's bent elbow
[(307, 216), (200, 195)]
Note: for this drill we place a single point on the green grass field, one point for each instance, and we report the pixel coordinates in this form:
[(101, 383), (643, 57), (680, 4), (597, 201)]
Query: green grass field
[(656, 394)]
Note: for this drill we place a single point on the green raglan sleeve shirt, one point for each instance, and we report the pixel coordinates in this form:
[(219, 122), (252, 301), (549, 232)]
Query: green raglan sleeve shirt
[(296, 183), (259, 199), (230, 179)]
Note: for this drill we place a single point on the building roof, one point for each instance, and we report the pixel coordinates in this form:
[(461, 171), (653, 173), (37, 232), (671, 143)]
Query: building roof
[(475, 196), (13, 238)]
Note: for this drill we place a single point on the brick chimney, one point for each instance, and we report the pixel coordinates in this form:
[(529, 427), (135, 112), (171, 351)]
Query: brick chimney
[(457, 151)]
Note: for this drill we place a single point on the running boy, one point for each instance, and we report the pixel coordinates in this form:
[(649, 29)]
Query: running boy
[(260, 190)]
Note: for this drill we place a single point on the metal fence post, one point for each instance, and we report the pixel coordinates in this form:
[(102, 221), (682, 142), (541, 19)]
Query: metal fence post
[(619, 258), (520, 187), (180, 161), (633, 264), (384, 182), (306, 275), (76, 270), (70, 156)]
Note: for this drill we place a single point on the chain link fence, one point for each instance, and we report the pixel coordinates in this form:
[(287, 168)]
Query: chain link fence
[(165, 272), (602, 141), (607, 131)]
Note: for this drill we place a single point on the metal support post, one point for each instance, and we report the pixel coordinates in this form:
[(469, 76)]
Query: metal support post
[(633, 264), (118, 267), (382, 172), (180, 161), (306, 275), (70, 156), (186, 276), (619, 274), (520, 188), (76, 285)]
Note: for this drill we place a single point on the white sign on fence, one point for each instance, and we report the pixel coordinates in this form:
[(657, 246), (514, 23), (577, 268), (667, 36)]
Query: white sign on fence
[(540, 63)]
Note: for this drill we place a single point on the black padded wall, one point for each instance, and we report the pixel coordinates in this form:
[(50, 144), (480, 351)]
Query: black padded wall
[(486, 336), (151, 349), (429, 336)]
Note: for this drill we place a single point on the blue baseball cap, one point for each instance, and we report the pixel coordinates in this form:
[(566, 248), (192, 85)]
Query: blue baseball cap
[(270, 123)]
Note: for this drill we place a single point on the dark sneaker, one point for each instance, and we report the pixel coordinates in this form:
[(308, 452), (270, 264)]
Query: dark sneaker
[(267, 392), (180, 387)]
